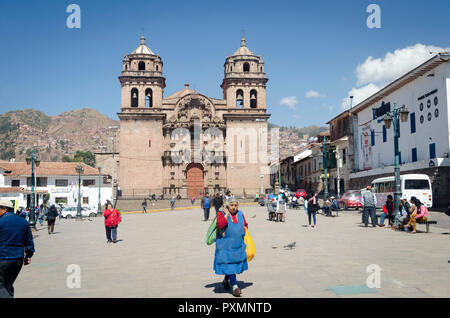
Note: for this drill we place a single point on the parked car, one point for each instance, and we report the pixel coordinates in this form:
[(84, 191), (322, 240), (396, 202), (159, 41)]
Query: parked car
[(71, 212), (300, 193), (351, 199)]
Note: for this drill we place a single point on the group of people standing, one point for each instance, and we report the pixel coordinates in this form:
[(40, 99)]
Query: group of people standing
[(407, 216)]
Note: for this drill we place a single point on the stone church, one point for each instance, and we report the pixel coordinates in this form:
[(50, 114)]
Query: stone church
[(188, 143)]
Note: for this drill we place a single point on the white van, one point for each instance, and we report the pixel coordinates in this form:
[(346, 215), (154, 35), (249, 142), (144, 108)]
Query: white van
[(417, 185)]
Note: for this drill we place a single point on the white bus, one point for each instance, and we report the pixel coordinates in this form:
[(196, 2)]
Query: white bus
[(417, 185)]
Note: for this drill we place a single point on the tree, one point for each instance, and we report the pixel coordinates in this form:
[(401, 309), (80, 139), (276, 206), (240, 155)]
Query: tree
[(85, 156)]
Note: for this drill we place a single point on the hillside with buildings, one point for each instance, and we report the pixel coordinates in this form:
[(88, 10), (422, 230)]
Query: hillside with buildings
[(53, 136)]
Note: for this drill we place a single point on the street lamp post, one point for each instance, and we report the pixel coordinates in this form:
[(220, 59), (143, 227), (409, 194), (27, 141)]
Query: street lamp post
[(325, 157), (80, 170), (33, 161), (99, 208), (393, 118)]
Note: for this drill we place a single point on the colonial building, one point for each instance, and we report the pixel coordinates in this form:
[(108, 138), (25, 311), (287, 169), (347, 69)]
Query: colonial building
[(188, 143), (56, 182), (424, 141)]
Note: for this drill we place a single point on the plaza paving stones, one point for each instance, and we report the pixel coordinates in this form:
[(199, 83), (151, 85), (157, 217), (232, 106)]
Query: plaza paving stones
[(163, 254)]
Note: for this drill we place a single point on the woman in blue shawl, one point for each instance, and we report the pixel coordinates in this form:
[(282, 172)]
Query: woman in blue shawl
[(230, 257)]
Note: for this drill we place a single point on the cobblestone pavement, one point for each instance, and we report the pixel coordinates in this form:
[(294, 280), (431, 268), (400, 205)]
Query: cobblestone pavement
[(163, 254)]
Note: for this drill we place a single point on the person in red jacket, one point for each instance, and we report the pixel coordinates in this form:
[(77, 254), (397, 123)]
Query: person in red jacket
[(388, 208), (112, 220)]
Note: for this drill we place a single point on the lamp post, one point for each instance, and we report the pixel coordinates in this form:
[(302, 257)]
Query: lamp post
[(99, 208), (393, 118), (325, 157), (80, 170), (33, 161)]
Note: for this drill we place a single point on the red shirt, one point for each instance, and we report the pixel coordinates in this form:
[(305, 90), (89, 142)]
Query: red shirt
[(222, 222)]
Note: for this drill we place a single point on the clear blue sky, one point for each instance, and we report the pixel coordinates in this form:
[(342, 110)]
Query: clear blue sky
[(306, 45)]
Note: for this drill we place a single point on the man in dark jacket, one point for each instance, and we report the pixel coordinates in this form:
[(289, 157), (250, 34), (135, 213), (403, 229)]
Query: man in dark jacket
[(51, 218), (218, 202), (17, 247)]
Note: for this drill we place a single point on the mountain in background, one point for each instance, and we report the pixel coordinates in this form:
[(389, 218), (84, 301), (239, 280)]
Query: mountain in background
[(87, 130), (53, 137)]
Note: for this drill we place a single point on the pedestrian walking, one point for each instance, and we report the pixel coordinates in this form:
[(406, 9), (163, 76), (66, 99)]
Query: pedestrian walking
[(112, 220), (369, 202), (205, 204), (218, 202), (51, 218), (16, 247), (312, 207), (172, 203), (230, 257), (144, 205), (192, 200)]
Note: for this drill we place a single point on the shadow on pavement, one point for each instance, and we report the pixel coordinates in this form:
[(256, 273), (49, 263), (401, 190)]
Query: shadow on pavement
[(219, 289)]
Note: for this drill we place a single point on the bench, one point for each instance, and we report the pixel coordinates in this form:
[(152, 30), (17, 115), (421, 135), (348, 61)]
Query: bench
[(427, 223)]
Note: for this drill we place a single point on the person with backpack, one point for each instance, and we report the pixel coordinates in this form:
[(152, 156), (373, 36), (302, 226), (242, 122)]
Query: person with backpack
[(419, 212), (312, 207), (206, 205)]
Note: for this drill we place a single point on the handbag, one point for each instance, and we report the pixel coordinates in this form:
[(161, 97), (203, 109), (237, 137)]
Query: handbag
[(250, 247), (211, 234)]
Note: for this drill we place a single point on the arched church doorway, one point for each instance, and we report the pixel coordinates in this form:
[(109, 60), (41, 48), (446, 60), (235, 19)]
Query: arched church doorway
[(194, 180)]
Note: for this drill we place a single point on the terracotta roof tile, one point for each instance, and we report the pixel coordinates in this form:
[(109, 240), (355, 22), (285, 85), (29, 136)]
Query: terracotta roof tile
[(47, 169), (11, 189)]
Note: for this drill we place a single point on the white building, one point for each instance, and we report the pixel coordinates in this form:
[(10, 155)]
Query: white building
[(55, 181), (424, 142)]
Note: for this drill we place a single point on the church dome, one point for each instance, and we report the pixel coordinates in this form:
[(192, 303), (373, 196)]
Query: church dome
[(243, 50), (143, 48)]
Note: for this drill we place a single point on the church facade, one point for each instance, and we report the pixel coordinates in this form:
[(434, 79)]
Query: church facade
[(188, 143)]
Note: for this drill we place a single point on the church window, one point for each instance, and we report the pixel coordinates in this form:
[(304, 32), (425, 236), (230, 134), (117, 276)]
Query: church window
[(149, 143), (141, 66), (231, 68), (157, 68), (246, 67), (148, 97), (134, 97)]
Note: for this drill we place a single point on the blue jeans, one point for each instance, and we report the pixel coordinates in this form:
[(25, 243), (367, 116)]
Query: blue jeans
[(232, 279), (313, 215)]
